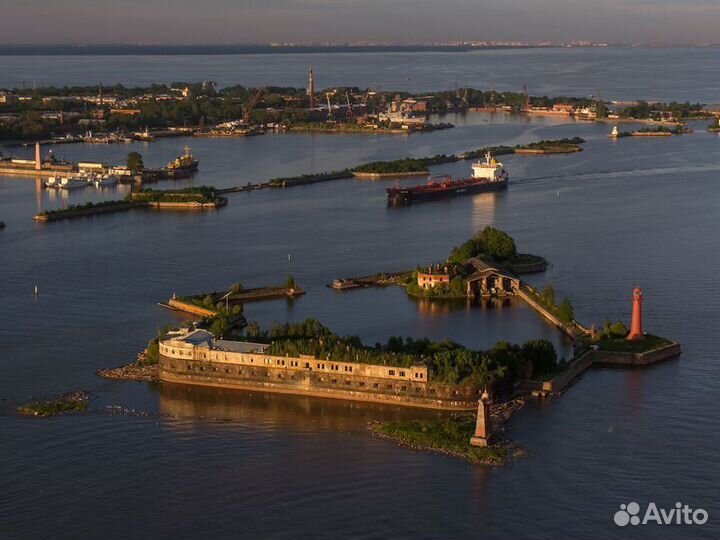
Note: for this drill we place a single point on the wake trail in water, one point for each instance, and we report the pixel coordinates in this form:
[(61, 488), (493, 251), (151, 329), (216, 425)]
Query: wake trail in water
[(599, 175)]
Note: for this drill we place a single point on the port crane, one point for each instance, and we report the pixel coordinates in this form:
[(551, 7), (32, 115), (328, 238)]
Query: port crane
[(527, 98), (249, 105), (349, 113), (464, 103), (330, 117)]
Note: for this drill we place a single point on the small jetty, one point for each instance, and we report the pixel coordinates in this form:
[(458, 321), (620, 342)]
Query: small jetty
[(206, 304), (373, 280)]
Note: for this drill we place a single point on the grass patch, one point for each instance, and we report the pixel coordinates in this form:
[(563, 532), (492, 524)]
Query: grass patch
[(450, 437), (620, 344)]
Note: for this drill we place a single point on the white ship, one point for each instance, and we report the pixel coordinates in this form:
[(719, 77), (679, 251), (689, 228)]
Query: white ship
[(106, 180), (72, 183), (490, 169)]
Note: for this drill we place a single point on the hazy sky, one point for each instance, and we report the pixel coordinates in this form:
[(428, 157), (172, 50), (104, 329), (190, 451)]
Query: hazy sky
[(245, 21)]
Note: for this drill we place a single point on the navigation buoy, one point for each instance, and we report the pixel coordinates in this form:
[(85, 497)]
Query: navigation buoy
[(36, 291)]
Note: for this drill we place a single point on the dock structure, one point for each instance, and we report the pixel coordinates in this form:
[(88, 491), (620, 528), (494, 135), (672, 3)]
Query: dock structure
[(373, 280)]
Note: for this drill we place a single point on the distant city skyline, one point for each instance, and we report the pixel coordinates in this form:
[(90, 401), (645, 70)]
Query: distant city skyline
[(350, 21)]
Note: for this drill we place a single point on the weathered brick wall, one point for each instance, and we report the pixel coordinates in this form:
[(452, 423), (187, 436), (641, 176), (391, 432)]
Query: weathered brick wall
[(343, 385)]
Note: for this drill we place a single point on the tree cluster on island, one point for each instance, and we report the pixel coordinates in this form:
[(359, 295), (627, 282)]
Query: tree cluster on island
[(447, 361), (199, 194), (644, 110)]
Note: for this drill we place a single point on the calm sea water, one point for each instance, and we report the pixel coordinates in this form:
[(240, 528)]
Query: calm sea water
[(160, 461), (613, 72)]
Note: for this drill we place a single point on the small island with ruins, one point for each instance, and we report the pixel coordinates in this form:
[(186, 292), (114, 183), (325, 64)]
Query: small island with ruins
[(486, 265), (478, 389)]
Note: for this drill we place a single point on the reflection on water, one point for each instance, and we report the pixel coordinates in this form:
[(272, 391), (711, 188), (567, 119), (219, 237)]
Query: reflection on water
[(428, 306), (278, 411)]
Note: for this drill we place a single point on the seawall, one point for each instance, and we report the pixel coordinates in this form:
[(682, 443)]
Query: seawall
[(603, 358), (80, 212), (524, 292), (313, 377)]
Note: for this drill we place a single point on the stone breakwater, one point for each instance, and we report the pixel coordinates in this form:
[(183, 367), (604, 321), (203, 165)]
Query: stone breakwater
[(130, 205), (80, 212), (601, 358)]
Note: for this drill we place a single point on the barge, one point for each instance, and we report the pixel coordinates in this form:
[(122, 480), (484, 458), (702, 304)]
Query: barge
[(489, 175)]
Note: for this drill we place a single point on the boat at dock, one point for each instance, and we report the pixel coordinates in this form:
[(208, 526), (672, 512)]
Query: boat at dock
[(488, 175), (66, 182), (105, 180), (144, 135)]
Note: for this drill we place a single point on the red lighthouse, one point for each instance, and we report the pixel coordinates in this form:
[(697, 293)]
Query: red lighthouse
[(636, 327)]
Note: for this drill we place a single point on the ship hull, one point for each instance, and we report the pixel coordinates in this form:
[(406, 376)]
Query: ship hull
[(411, 195)]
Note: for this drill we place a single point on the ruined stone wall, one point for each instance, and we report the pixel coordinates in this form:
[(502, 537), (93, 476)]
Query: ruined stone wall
[(305, 381)]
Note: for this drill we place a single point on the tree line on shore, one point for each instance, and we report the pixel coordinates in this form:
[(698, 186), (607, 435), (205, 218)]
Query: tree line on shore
[(203, 104)]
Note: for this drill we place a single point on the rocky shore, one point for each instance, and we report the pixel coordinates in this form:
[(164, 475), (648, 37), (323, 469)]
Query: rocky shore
[(132, 372)]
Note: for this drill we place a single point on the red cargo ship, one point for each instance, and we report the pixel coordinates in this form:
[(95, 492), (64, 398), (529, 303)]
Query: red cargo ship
[(487, 176)]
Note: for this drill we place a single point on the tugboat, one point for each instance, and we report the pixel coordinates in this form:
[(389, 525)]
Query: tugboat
[(186, 162), (488, 175), (144, 135)]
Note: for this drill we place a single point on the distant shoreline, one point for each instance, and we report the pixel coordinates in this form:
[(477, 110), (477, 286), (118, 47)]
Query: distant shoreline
[(214, 50), (120, 49)]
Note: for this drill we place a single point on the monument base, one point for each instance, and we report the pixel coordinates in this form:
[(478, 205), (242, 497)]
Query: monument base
[(479, 441)]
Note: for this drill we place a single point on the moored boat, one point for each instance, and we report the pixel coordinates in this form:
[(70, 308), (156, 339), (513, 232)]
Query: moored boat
[(72, 183), (106, 180)]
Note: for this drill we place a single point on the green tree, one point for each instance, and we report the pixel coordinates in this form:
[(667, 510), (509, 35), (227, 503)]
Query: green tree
[(547, 296), (135, 162), (497, 244), (601, 109), (457, 286), (541, 353), (565, 311), (461, 253), (236, 288), (219, 326), (253, 330), (618, 330)]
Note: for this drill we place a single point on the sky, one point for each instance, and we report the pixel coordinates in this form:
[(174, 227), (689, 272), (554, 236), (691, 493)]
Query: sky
[(266, 21)]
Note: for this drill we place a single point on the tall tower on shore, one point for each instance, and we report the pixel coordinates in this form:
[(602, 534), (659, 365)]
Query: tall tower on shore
[(38, 161), (483, 428), (311, 89), (636, 326)]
